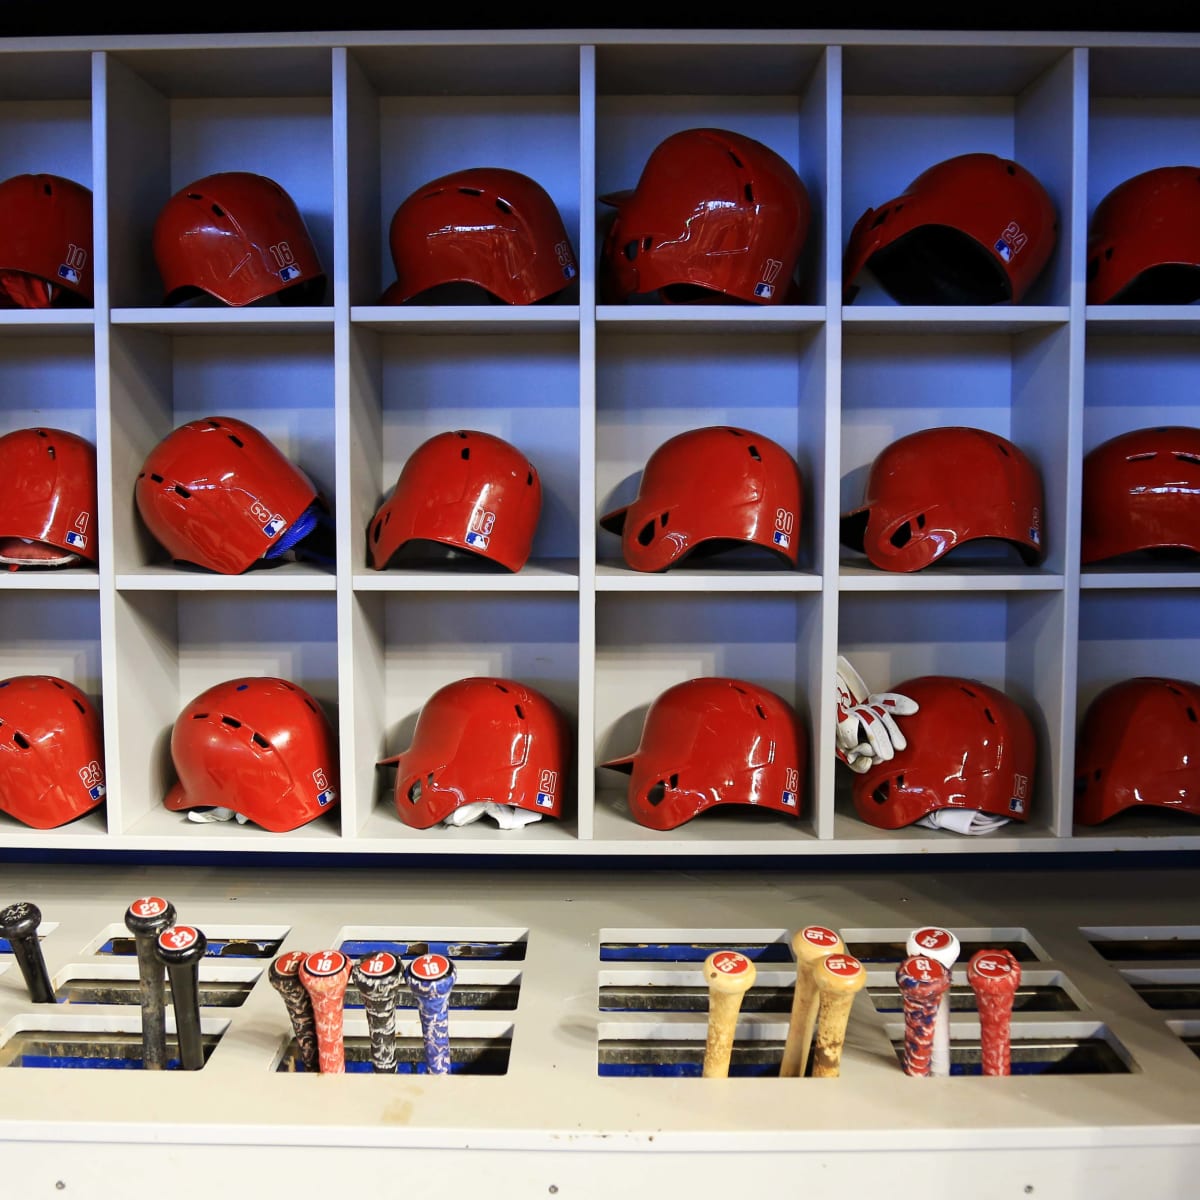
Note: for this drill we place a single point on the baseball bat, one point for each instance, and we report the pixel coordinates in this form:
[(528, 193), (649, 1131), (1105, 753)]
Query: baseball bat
[(922, 981), (180, 949), (810, 945), (838, 978), (378, 978), (325, 974), (431, 978), (285, 979), (994, 976), (146, 918), (729, 976), (942, 946), (19, 923)]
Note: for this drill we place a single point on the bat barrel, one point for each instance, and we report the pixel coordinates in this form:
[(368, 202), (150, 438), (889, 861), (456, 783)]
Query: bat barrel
[(838, 979)]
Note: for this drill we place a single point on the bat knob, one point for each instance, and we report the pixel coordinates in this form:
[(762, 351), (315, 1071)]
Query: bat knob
[(149, 915), (430, 976), (285, 967), (729, 973), (378, 973), (181, 945), (20, 920), (325, 972)]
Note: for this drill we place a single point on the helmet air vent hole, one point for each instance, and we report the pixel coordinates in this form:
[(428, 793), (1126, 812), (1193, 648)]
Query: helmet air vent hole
[(920, 520), (900, 537), (79, 706), (737, 162), (754, 454), (657, 794), (502, 688), (663, 518), (42, 433), (1191, 712), (21, 740), (376, 530), (880, 794), (674, 781), (880, 218), (1183, 456), (183, 491), (740, 691), (465, 191), (1002, 448), (233, 722), (157, 478), (56, 684), (647, 243), (310, 704), (762, 712), (50, 451), (237, 441), (630, 251), (414, 791), (529, 479), (503, 207), (1010, 169), (646, 534), (241, 687), (259, 740), (218, 211), (199, 716), (1141, 457), (748, 191), (1108, 253), (465, 453), (987, 712), (519, 711), (967, 692), (213, 423)]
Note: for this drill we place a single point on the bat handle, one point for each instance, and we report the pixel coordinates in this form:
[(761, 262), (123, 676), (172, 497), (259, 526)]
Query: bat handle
[(922, 981), (325, 975), (378, 978), (145, 919), (838, 978), (810, 945), (942, 946), (180, 949), (285, 979), (19, 923), (994, 976), (431, 978), (729, 976)]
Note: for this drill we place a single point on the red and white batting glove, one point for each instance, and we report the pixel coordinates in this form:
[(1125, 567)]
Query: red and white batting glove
[(866, 731)]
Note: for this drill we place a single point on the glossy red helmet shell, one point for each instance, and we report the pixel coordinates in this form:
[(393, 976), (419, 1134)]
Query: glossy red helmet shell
[(715, 216), (483, 738), (47, 498), (711, 741), (488, 226), (710, 487), (969, 746), (216, 492), (1144, 240), (1141, 491), (46, 256), (465, 489), (936, 489), (974, 229), (239, 237), (261, 747), (51, 751), (1139, 747)]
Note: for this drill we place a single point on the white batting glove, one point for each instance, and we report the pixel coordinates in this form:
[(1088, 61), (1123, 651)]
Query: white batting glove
[(866, 731)]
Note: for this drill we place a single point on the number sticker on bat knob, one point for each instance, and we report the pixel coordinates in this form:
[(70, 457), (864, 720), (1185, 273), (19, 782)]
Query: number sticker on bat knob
[(923, 969), (379, 963), (149, 906), (325, 962), (843, 965), (430, 966), (932, 939), (289, 963), (730, 962), (993, 968), (178, 937), (818, 935)]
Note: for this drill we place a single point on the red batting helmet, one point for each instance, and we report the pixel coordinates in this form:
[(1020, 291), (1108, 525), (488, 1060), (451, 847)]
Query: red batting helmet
[(711, 487), (488, 226), (969, 746), (261, 747), (483, 738), (975, 229), (464, 489), (938, 488), (216, 492), (239, 237), (1141, 491), (1144, 240), (45, 242), (715, 216), (1139, 747), (51, 751), (712, 741), (47, 498)]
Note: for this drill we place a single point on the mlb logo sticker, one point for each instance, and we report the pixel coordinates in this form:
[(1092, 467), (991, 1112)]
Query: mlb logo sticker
[(1016, 805), (274, 526), (789, 798), (1004, 250), (97, 792), (326, 797), (289, 273), (478, 540), (568, 272), (68, 273), (545, 800), (76, 539), (782, 539), (764, 291)]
